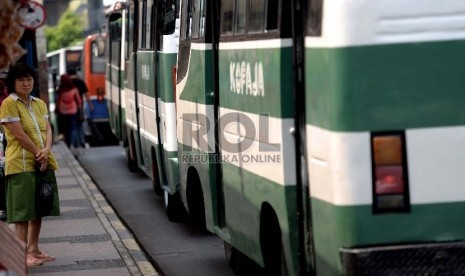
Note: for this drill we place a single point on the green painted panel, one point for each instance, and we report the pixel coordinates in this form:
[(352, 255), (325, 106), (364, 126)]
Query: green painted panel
[(165, 76), (244, 194), (258, 81), (386, 87), (356, 226), (199, 82), (146, 73)]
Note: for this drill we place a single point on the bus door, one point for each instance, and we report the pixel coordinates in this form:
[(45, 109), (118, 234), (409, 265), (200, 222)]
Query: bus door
[(306, 250), (145, 83), (130, 87), (113, 75), (255, 110), (196, 118), (165, 43)]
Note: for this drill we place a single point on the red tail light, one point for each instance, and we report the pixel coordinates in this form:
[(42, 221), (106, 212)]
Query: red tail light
[(389, 172)]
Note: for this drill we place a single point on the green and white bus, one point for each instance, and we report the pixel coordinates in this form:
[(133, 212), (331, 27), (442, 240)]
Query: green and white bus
[(325, 137), (116, 37), (150, 53)]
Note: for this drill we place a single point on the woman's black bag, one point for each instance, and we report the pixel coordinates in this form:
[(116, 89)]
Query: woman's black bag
[(44, 193)]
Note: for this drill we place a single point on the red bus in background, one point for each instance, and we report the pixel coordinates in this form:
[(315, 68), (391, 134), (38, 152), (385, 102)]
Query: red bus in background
[(93, 73)]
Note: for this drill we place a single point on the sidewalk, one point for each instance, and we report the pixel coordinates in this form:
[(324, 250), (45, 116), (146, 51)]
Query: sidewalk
[(88, 238)]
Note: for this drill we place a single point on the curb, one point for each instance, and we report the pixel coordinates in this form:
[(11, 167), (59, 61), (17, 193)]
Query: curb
[(121, 237)]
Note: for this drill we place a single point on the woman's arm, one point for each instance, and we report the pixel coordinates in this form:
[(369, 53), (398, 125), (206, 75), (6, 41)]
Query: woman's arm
[(16, 129), (42, 155)]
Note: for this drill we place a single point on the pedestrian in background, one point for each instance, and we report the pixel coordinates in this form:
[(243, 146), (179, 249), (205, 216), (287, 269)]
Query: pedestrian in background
[(29, 135), (68, 103), (82, 88)]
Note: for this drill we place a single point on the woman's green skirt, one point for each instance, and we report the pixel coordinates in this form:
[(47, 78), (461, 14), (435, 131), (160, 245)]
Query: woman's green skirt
[(21, 199)]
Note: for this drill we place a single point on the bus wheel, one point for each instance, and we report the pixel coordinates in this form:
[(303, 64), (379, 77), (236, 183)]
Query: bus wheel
[(130, 163), (271, 243), (155, 180), (239, 263), (195, 201), (173, 207), (231, 255)]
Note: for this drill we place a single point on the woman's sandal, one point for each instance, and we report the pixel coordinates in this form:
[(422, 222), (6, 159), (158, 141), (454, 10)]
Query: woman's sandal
[(42, 256), (33, 261)]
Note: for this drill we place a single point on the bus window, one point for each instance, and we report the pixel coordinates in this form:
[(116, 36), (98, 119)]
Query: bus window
[(227, 18), (115, 29), (148, 24), (272, 15), (98, 57), (185, 32), (257, 16), (115, 38), (142, 20), (129, 42), (315, 11), (241, 15), (73, 60), (130, 31), (198, 19)]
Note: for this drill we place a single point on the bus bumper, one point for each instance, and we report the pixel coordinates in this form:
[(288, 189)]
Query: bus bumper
[(418, 259)]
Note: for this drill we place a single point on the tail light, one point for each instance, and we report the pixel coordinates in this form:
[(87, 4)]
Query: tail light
[(389, 166), (100, 94)]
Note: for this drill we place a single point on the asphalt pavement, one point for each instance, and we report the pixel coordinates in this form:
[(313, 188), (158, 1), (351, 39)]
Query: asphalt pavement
[(175, 249)]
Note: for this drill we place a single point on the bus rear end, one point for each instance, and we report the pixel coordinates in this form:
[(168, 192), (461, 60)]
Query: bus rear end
[(93, 70), (385, 135)]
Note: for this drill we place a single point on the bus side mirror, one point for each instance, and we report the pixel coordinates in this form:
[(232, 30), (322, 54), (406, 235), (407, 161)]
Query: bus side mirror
[(166, 17)]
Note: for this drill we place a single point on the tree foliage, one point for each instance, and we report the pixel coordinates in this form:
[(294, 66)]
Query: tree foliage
[(66, 33)]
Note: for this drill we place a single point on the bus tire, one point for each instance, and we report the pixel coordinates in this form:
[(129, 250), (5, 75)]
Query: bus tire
[(240, 263), (173, 207), (155, 179), (231, 255), (130, 163), (271, 243), (195, 201)]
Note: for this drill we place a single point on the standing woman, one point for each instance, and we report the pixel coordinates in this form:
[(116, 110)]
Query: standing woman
[(29, 135)]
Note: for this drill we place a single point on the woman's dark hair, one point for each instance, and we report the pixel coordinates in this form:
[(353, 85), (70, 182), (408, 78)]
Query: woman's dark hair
[(17, 71), (66, 83)]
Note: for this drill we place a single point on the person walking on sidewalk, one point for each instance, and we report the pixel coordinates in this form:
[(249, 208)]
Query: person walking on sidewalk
[(29, 135), (83, 92), (69, 102)]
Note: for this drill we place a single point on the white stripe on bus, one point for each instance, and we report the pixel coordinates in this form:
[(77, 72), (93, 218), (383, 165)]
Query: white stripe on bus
[(273, 158), (114, 94), (436, 164), (387, 22), (168, 123), (256, 44), (148, 125), (188, 107), (339, 166), (272, 164)]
